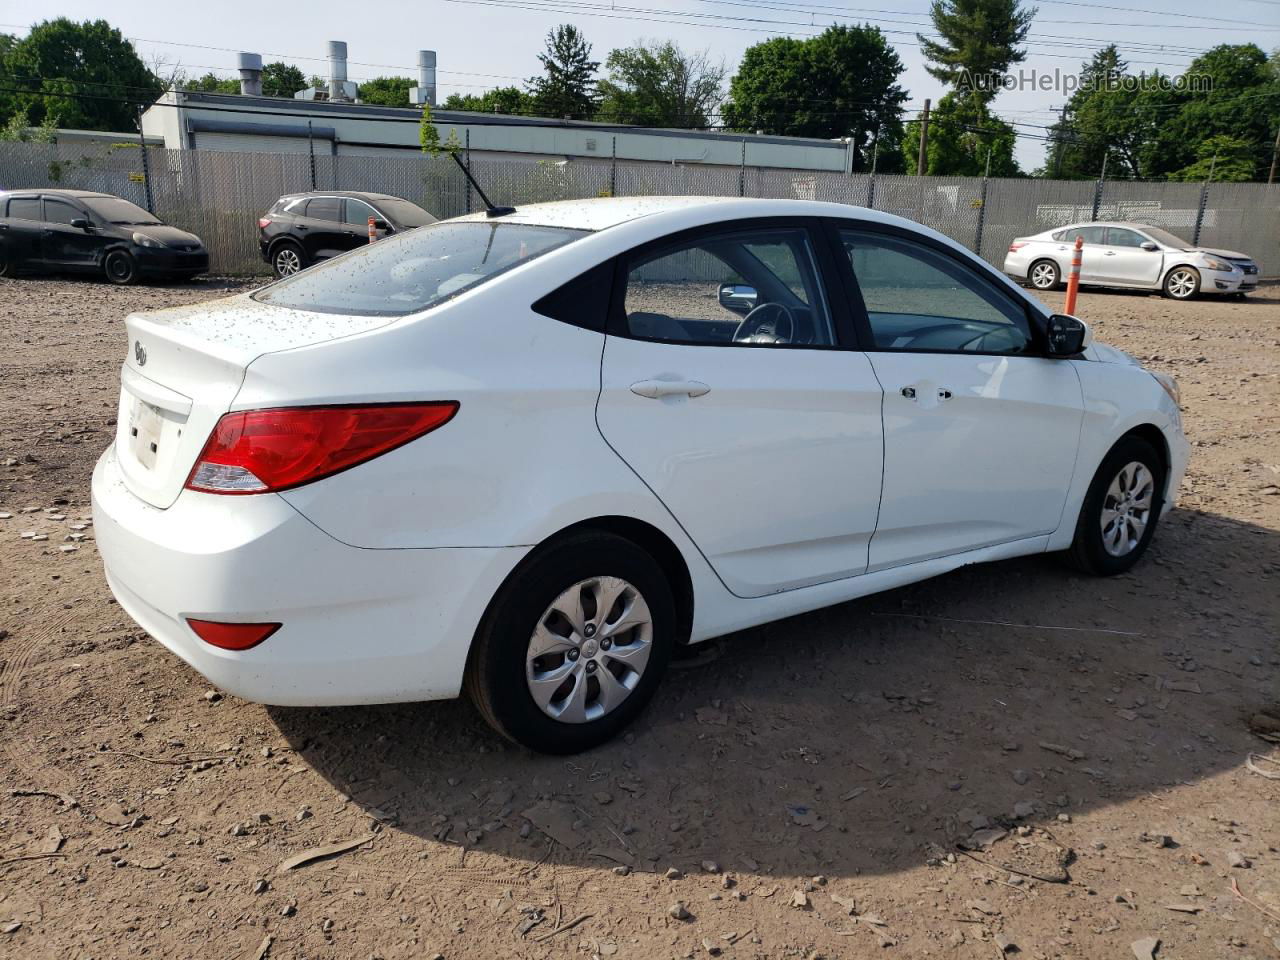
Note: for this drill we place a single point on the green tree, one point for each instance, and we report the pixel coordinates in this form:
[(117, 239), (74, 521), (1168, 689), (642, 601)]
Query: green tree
[(428, 135), (963, 133), (511, 100), (388, 91), (567, 85), (841, 83), (86, 75), (1220, 158), (979, 39), (659, 85), (209, 83), (282, 80)]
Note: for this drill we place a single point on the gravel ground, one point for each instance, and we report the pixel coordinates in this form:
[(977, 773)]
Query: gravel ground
[(798, 791)]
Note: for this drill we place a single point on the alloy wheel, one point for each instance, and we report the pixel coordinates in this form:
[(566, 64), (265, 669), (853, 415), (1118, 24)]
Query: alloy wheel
[(288, 262), (1182, 284), (589, 650), (1126, 509), (1043, 276)]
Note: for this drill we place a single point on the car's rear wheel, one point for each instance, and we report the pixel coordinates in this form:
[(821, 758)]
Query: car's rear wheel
[(1182, 283), (287, 259), (1121, 509), (574, 644), (120, 268), (1044, 275)]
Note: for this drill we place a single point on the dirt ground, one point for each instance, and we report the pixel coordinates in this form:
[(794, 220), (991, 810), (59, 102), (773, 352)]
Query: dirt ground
[(800, 789)]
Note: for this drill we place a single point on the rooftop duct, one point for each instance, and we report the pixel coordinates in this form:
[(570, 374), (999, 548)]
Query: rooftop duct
[(425, 91), (337, 69), (250, 66)]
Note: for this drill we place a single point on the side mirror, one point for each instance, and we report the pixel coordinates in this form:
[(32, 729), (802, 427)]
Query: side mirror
[(80, 223), (1148, 245), (738, 297), (380, 225), (1068, 336)]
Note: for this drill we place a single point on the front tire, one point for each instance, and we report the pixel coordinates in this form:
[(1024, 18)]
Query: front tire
[(1182, 283), (1044, 275), (6, 265), (1119, 515), (120, 268), (574, 644)]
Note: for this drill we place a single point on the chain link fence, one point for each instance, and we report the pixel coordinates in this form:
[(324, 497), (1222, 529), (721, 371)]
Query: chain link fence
[(220, 195)]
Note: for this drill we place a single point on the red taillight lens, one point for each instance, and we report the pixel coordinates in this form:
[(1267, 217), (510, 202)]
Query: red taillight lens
[(1017, 245), (260, 451), (232, 636), (264, 222)]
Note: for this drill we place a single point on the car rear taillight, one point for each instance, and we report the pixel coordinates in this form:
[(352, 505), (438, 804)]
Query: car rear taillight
[(261, 451), (264, 222), (232, 636), (1017, 245)]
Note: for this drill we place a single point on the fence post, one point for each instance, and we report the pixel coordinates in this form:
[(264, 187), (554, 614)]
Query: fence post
[(146, 167), (742, 170), (467, 148), (311, 149), (1097, 199), (613, 168), (871, 191), (1204, 202), (982, 216)]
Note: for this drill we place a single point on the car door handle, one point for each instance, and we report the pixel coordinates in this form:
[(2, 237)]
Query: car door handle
[(1109, 253), (657, 389), (912, 393)]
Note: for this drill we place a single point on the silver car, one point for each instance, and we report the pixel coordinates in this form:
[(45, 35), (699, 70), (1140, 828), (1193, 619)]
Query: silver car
[(1130, 255)]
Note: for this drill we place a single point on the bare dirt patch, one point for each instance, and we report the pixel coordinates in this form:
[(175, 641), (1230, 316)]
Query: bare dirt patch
[(800, 794)]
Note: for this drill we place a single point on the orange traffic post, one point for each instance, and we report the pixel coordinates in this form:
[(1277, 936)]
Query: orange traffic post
[(1073, 281), (373, 235)]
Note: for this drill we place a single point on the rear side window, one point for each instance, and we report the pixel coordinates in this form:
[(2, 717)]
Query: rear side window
[(1090, 234), (417, 269), (24, 208), (324, 208)]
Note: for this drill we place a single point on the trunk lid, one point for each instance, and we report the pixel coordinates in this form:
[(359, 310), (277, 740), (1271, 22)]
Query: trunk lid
[(184, 367)]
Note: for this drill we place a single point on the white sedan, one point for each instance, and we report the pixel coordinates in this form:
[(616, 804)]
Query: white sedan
[(534, 453), (1132, 256)]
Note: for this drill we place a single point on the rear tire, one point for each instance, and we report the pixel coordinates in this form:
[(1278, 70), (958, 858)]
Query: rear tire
[(1182, 283), (1121, 510), (120, 268), (594, 679), (287, 258), (1044, 275)]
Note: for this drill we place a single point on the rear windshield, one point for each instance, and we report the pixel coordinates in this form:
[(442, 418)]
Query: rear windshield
[(115, 210), (404, 213), (415, 270)]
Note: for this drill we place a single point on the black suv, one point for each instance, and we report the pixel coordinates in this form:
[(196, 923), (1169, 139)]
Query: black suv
[(77, 231), (305, 227)]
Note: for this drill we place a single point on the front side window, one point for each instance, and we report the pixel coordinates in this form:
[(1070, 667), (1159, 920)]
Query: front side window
[(921, 299), (756, 287), (359, 212), (1120, 237), (25, 208), (415, 270), (58, 211)]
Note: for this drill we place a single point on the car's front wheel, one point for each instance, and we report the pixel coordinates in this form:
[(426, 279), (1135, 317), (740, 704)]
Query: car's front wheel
[(1182, 283), (1044, 275), (574, 644), (287, 259), (1120, 510), (120, 268)]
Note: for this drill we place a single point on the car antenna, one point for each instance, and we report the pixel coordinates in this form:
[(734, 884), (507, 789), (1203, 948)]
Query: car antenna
[(489, 209)]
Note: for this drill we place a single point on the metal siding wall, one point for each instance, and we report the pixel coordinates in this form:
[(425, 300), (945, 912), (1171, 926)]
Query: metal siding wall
[(247, 143)]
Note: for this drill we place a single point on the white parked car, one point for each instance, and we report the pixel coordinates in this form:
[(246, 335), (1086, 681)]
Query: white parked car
[(535, 453), (1133, 256)]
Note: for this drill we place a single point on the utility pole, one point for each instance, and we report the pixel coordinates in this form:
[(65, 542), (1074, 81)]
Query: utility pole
[(924, 139), (1275, 152), (1057, 138)]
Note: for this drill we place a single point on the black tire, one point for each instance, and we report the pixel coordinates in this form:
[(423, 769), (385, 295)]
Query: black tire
[(6, 266), (496, 679), (119, 267), (1088, 552), (1181, 283), (1050, 277), (287, 258)]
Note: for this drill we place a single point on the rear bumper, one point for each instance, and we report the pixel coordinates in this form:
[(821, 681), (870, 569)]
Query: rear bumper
[(360, 626)]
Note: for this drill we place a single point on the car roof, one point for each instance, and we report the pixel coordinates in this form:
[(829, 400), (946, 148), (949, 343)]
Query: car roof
[(600, 213), (46, 191), (353, 194)]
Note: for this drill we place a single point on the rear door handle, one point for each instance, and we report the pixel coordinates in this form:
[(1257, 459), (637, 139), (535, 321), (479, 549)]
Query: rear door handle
[(657, 389), (1109, 253)]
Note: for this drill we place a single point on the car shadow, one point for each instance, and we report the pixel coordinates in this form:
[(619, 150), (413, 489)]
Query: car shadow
[(866, 737)]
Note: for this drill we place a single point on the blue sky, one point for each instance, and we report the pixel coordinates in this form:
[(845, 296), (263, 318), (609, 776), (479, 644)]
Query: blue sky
[(485, 43)]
